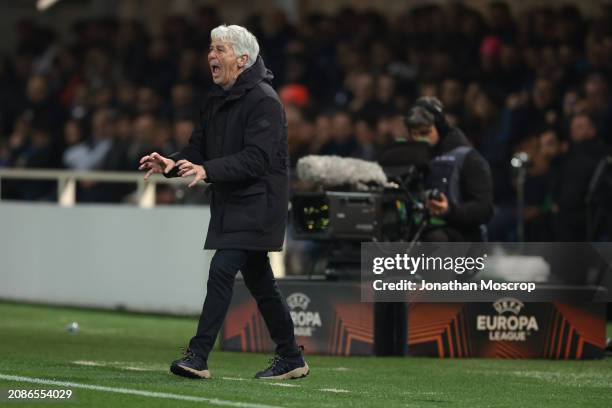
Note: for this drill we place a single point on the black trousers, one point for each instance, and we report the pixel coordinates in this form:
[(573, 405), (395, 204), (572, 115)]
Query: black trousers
[(258, 277)]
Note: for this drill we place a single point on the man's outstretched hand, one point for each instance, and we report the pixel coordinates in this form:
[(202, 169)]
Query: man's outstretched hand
[(155, 163), (187, 168)]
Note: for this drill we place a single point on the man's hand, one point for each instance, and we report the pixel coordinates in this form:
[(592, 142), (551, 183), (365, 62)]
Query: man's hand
[(187, 168), (438, 207), (155, 163)]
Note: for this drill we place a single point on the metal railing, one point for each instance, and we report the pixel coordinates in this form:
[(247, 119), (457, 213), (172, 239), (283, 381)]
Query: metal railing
[(145, 191), (67, 181)]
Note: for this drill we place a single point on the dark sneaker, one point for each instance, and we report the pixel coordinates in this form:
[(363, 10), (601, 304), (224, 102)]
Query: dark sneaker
[(285, 368), (190, 366)]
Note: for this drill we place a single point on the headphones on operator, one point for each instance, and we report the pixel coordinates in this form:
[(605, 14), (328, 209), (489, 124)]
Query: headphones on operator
[(433, 106)]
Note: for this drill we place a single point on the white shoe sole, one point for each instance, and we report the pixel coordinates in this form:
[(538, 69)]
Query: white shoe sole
[(294, 374), (191, 373)]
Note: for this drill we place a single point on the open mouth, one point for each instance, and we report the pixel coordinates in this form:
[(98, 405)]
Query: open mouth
[(215, 69)]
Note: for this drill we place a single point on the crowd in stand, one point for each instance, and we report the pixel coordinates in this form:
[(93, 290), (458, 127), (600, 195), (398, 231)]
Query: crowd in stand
[(538, 82)]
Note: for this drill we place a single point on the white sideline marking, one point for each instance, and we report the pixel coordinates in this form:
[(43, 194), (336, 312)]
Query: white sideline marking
[(601, 380), (333, 390), (165, 395), (233, 378), (570, 379), (339, 369), (137, 369), (89, 363), (113, 364), (280, 384)]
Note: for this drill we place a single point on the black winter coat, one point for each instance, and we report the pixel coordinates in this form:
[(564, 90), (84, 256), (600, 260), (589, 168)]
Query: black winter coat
[(577, 169), (241, 142), (476, 188)]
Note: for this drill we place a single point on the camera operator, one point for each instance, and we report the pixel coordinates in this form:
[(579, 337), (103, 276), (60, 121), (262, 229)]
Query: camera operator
[(459, 179)]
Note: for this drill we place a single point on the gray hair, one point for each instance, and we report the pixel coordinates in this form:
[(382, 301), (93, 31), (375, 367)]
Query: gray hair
[(242, 40)]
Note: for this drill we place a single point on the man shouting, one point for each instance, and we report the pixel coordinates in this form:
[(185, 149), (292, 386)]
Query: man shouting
[(240, 148)]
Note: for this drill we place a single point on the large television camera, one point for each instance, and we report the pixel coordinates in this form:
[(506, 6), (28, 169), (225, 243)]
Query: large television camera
[(348, 215), (356, 200)]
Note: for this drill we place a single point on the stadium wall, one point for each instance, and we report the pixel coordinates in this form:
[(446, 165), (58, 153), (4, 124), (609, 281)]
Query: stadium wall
[(104, 256)]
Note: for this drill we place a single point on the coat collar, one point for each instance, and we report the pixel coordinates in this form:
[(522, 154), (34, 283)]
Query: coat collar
[(252, 76)]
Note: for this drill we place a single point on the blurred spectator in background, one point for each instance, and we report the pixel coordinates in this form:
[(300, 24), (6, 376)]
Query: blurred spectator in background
[(542, 146), (299, 134), (597, 104), (144, 138), (90, 153), (586, 148), (343, 142), (367, 148), (182, 101), (322, 133), (183, 127), (30, 146), (452, 96), (39, 106)]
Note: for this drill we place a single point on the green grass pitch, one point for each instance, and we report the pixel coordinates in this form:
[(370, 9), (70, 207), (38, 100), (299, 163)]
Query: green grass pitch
[(131, 353)]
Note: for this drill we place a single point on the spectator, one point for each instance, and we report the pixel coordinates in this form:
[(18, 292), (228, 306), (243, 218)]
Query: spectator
[(89, 154), (182, 131), (182, 101), (585, 151), (30, 146), (39, 107), (323, 133), (299, 134), (542, 146), (367, 148), (452, 97), (343, 142), (597, 104)]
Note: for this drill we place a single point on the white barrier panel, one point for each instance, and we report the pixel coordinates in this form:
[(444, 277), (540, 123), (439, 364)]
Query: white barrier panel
[(105, 256)]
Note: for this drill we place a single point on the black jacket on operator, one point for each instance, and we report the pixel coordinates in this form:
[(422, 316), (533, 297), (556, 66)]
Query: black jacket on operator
[(241, 141), (476, 188)]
